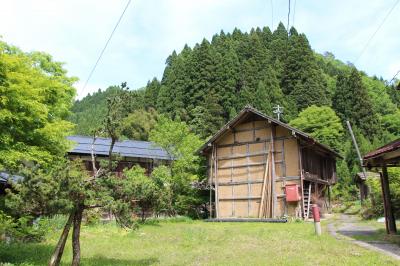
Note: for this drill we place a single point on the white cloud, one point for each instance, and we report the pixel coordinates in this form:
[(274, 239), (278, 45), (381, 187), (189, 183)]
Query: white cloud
[(75, 31)]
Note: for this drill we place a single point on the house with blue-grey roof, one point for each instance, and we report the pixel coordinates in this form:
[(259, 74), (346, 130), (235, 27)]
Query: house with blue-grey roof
[(129, 152)]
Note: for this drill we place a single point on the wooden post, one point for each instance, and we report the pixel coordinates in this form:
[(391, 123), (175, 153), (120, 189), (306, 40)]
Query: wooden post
[(211, 180), (216, 182), (233, 187), (274, 198), (261, 209), (389, 216), (301, 178)]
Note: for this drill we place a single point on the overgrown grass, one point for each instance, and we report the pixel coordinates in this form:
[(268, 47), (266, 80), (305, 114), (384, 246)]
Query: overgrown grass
[(349, 207), (199, 243)]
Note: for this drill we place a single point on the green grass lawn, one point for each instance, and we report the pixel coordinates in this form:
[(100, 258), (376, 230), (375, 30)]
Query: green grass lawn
[(201, 243)]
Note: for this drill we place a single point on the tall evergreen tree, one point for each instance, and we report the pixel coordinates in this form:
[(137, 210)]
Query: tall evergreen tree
[(302, 78), (351, 102)]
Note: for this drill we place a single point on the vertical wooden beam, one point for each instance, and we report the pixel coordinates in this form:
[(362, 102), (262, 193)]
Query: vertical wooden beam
[(216, 181), (274, 198), (211, 174), (233, 186), (283, 166), (329, 198), (301, 178), (248, 180), (389, 216)]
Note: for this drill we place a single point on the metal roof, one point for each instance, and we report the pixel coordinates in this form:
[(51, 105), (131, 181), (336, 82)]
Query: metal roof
[(125, 148), (249, 109), (5, 177)]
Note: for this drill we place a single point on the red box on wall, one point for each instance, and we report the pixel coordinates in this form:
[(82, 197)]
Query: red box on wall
[(292, 192)]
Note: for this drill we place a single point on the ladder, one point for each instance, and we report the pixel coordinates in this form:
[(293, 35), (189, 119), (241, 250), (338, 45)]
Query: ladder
[(307, 199)]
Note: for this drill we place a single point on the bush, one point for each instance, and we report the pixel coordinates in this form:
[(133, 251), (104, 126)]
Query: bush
[(373, 207), (23, 229)]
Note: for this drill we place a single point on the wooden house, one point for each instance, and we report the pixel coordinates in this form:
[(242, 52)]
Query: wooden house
[(129, 153), (260, 167), (382, 158)]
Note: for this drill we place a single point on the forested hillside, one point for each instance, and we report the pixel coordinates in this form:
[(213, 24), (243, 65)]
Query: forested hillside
[(209, 83)]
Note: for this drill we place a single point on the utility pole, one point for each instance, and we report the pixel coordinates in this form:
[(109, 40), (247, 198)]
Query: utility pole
[(358, 153), (278, 110)]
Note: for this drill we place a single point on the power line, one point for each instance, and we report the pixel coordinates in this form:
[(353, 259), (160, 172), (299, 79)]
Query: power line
[(398, 72), (376, 31), (105, 46)]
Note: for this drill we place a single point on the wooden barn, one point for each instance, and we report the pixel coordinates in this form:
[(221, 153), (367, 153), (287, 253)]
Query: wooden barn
[(260, 167), (129, 152)]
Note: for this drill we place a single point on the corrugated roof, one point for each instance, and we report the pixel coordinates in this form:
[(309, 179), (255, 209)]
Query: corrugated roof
[(273, 120), (392, 146), (126, 148)]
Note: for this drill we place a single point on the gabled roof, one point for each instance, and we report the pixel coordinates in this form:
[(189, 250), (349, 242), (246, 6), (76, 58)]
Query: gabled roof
[(125, 148), (249, 109), (387, 155), (362, 177), (391, 146)]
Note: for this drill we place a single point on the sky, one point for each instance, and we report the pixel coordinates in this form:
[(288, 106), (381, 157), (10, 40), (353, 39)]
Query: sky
[(75, 32)]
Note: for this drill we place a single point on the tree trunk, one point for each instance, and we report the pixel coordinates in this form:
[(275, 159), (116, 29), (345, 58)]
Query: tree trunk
[(58, 251), (76, 247), (113, 140)]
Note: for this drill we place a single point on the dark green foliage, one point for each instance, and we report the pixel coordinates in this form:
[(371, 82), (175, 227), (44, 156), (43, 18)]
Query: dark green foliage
[(206, 85), (89, 112), (351, 102), (302, 79), (138, 124)]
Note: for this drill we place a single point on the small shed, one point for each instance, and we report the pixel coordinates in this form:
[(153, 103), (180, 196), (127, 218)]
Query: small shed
[(384, 157), (360, 180), (260, 167), (130, 152)]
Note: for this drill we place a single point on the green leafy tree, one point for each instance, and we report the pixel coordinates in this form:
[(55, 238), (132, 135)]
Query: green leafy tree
[(138, 124), (35, 97), (181, 144), (321, 123)]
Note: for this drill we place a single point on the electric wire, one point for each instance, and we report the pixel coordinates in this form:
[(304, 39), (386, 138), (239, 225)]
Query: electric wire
[(105, 46), (395, 75), (376, 31)]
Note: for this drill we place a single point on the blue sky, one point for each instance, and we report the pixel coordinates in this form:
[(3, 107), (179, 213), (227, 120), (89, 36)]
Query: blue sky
[(75, 31)]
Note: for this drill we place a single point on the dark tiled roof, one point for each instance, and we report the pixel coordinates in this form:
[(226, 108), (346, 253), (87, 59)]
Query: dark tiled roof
[(255, 111), (5, 177), (392, 146), (126, 148)]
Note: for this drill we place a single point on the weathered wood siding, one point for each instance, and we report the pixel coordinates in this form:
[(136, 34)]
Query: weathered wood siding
[(241, 155)]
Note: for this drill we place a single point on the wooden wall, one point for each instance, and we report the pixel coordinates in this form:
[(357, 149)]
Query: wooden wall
[(239, 168)]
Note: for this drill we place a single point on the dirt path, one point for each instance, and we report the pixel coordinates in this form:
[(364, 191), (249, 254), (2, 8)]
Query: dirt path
[(348, 227)]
